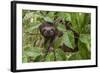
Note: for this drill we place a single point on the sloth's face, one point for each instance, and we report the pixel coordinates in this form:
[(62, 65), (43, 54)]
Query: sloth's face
[(48, 31)]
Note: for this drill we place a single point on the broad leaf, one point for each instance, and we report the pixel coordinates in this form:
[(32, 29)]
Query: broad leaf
[(68, 39), (86, 39), (75, 56), (61, 27), (58, 42), (60, 55), (50, 56)]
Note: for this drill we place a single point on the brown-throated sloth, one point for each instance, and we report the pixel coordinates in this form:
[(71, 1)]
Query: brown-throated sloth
[(50, 32)]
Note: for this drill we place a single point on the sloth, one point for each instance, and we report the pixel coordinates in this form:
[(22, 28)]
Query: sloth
[(50, 32)]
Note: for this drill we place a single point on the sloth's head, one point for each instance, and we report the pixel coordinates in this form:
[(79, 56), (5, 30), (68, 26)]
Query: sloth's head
[(48, 30)]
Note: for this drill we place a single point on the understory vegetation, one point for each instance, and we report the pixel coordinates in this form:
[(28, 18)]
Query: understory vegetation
[(33, 41)]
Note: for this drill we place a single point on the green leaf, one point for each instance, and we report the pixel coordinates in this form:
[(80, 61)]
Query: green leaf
[(84, 52), (76, 22), (51, 14), (24, 59), (58, 41), (34, 26), (75, 56), (38, 58), (64, 15), (60, 55), (85, 23), (61, 27), (68, 39), (50, 56), (34, 52), (68, 17), (48, 19), (86, 39), (28, 15)]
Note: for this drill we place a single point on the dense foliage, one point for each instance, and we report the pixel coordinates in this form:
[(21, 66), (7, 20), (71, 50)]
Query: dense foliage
[(33, 46)]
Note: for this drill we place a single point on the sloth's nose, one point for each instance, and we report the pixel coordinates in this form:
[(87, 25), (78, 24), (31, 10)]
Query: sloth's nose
[(48, 31)]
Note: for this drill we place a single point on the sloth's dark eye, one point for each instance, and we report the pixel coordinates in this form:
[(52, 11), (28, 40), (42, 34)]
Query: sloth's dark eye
[(43, 30), (52, 29)]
